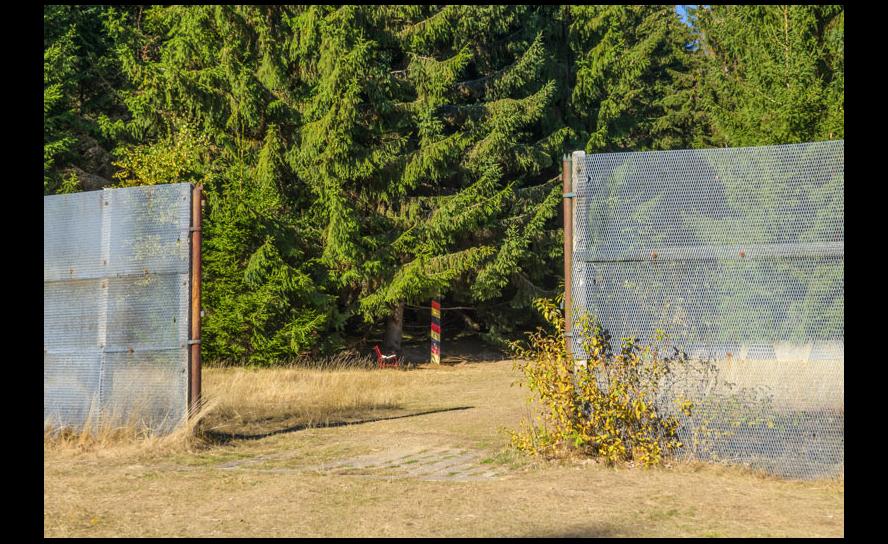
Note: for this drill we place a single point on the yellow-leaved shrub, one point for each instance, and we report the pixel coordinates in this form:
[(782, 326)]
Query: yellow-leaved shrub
[(597, 403)]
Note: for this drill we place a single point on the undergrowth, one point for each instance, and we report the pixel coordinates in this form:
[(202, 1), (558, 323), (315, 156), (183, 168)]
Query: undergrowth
[(597, 403)]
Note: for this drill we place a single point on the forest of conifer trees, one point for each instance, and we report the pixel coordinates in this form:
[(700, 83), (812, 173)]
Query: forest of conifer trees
[(361, 160)]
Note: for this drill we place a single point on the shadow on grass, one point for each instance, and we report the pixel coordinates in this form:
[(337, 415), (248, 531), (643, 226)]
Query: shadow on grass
[(222, 437), (583, 531)]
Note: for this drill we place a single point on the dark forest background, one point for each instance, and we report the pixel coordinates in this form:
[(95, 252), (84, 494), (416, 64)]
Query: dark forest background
[(360, 160)]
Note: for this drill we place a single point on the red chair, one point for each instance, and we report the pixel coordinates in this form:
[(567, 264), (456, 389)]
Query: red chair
[(386, 361)]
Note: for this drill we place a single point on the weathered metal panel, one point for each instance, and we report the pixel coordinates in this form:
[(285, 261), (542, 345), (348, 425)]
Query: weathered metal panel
[(116, 296), (737, 254)]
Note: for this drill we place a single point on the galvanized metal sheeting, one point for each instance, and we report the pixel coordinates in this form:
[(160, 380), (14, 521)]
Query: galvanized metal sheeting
[(116, 293), (737, 254)]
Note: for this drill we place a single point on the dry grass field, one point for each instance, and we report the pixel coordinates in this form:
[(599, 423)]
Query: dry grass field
[(296, 452)]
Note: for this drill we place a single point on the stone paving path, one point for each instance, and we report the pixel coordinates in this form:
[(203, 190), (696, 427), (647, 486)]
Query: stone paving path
[(430, 463), (440, 463)]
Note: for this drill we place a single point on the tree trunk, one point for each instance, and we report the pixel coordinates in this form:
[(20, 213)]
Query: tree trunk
[(394, 329)]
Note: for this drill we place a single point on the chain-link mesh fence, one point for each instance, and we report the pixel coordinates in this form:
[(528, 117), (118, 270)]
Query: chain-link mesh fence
[(116, 295), (737, 255)]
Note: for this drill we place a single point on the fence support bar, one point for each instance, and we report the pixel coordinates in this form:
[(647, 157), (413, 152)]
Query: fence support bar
[(194, 367)]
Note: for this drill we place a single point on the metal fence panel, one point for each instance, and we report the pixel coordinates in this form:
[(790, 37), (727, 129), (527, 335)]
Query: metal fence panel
[(737, 254), (116, 294)]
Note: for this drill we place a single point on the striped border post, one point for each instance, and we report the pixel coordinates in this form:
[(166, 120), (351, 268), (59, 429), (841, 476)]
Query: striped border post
[(436, 332)]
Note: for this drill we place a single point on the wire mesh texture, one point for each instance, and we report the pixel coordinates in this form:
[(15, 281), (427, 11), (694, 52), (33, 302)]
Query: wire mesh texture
[(116, 294), (737, 255)]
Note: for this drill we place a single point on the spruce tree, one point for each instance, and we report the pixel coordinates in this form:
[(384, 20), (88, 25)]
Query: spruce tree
[(632, 90), (349, 141), (81, 85), (773, 74), (465, 210), (208, 78), (59, 59)]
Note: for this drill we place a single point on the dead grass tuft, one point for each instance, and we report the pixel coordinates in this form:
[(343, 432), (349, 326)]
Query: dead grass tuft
[(123, 435), (255, 399), (341, 360)]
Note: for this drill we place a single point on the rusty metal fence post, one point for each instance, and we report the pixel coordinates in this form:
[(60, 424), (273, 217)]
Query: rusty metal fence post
[(194, 367), (568, 243)]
